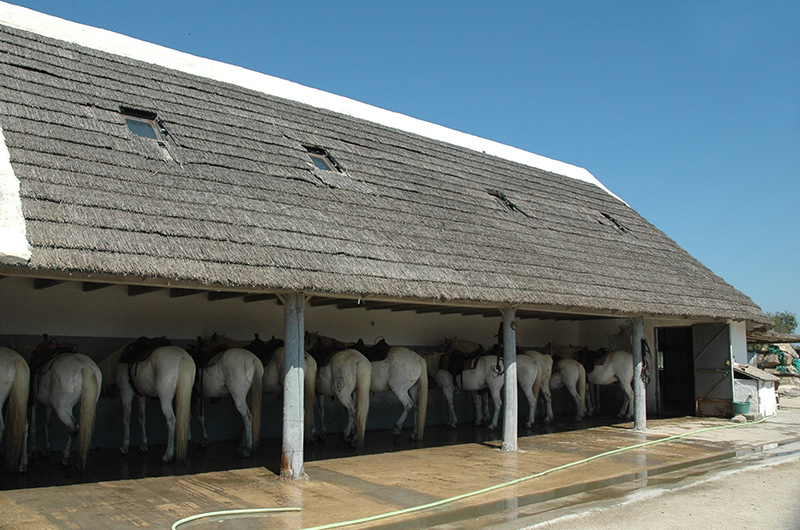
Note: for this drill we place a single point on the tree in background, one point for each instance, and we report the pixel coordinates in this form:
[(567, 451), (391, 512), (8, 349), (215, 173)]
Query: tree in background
[(784, 321)]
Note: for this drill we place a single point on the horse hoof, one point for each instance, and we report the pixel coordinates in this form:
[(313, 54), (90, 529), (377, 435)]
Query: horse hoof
[(167, 459), (244, 453), (143, 449), (451, 425)]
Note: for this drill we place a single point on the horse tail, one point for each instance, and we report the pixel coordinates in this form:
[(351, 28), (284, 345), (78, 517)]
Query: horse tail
[(183, 411), (17, 413), (255, 397), (90, 391), (537, 386), (582, 389), (363, 381), (422, 397), (309, 395)]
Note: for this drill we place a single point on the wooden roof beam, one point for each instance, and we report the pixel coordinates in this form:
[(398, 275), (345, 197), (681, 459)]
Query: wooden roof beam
[(42, 283), (136, 290), (248, 298), (178, 293), (93, 286), (214, 296)]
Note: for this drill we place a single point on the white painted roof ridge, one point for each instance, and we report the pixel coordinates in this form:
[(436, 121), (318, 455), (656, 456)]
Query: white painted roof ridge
[(118, 44)]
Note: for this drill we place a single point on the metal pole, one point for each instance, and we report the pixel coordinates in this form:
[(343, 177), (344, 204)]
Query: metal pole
[(639, 390), (510, 385), (293, 378)]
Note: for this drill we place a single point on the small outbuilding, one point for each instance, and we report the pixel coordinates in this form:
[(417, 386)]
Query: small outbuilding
[(756, 387)]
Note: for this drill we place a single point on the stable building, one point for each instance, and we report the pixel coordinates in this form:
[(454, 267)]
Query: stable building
[(145, 191)]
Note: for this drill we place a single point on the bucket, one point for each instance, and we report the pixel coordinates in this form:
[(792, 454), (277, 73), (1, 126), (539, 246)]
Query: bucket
[(740, 407)]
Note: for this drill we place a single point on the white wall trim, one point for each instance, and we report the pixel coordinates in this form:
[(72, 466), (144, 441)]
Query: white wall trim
[(14, 248)]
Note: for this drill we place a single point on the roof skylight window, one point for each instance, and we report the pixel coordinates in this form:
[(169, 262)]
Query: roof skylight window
[(142, 123), (322, 160)]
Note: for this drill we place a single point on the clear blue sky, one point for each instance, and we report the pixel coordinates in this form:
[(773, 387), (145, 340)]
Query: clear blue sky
[(689, 111)]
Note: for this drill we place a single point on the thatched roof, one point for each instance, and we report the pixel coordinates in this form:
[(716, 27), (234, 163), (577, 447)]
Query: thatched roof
[(231, 198), (771, 337)]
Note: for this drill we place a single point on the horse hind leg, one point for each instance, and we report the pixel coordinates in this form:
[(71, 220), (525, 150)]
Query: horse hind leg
[(246, 447), (169, 416), (321, 413), (142, 402), (346, 399), (201, 419), (408, 406), (480, 412), (498, 403), (627, 406), (48, 414), (64, 413), (528, 391)]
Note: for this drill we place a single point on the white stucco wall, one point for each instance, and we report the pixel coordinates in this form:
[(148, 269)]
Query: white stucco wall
[(738, 331), (66, 310), (14, 247)]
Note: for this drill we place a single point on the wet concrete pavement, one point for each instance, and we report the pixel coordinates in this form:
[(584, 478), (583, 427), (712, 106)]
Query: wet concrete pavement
[(401, 475)]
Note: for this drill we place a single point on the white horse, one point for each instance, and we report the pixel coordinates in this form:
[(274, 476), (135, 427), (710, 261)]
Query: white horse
[(59, 385), (614, 367), (488, 373), (273, 384), (544, 364), (239, 373), (347, 375), (405, 373), (168, 373), (570, 374), (15, 380)]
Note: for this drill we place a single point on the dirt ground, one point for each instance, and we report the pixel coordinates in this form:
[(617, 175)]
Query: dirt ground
[(761, 496), (753, 492)]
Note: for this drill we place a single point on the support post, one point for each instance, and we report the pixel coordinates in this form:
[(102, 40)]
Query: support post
[(510, 385), (293, 380), (639, 390)]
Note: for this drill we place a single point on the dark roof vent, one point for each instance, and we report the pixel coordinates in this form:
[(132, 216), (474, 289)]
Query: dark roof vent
[(504, 201), (621, 227)]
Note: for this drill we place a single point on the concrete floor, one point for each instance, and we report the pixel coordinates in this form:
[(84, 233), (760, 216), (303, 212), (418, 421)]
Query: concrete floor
[(391, 474)]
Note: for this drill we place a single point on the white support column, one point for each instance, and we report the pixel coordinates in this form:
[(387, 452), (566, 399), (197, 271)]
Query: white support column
[(510, 386), (639, 390), (293, 378)]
